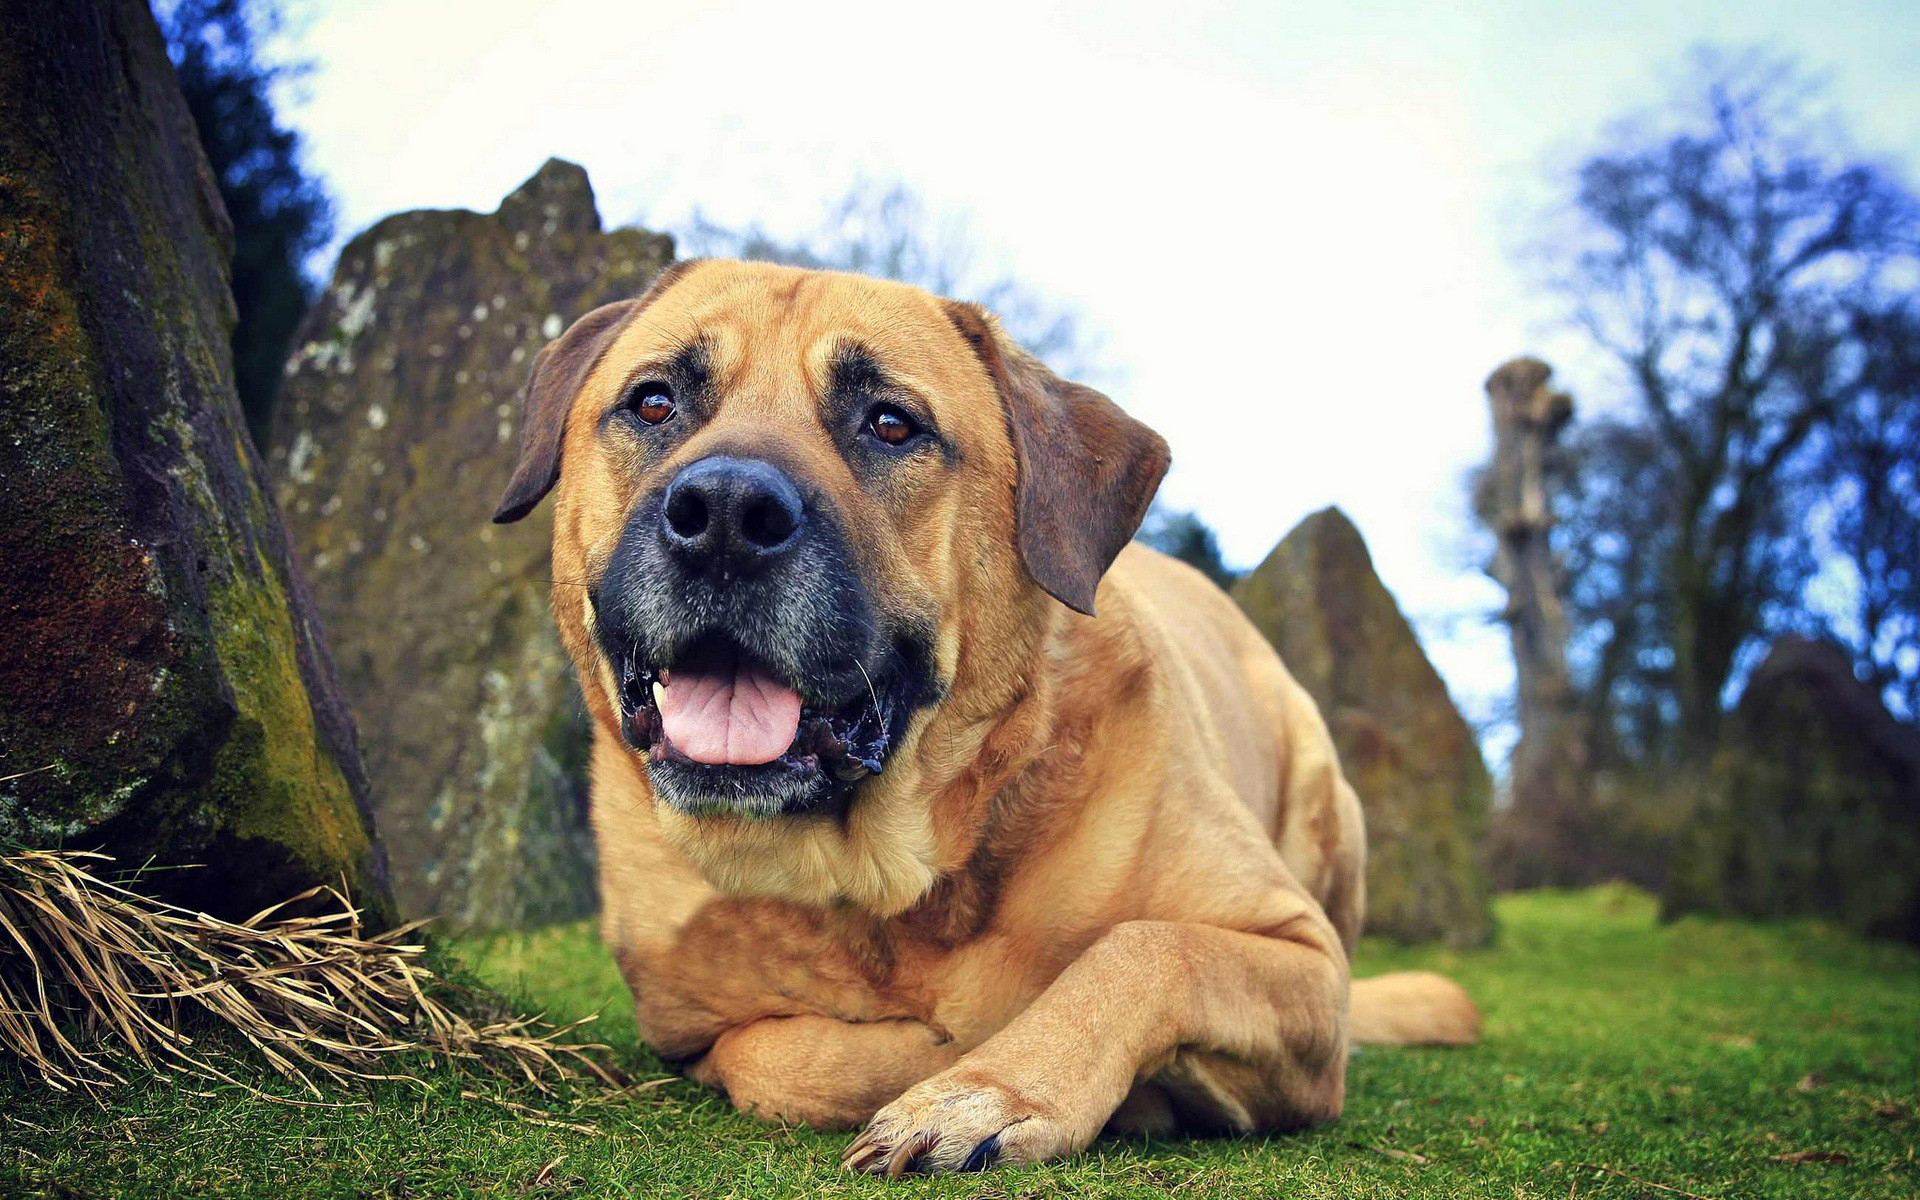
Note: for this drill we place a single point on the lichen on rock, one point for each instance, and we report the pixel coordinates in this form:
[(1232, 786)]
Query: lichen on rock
[(397, 426), (1402, 743)]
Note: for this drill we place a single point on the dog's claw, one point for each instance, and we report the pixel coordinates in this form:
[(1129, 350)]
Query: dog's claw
[(861, 1154), (902, 1159), (876, 1154)]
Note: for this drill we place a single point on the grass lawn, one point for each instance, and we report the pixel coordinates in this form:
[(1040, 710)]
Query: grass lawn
[(1623, 1059)]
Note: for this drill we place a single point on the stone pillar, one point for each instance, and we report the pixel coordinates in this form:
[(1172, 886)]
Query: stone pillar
[(1403, 745), (397, 426), (1552, 792)]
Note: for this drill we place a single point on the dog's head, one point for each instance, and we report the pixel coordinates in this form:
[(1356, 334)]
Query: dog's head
[(796, 511)]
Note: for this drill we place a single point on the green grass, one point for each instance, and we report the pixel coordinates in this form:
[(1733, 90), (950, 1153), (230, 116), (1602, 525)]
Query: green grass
[(1686, 1057)]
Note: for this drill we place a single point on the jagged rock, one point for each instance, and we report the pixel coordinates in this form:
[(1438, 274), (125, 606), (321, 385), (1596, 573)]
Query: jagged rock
[(1402, 743), (397, 425), (1812, 803), (164, 693)]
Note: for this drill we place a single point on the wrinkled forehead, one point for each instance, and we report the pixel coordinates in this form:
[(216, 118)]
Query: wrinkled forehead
[(778, 333)]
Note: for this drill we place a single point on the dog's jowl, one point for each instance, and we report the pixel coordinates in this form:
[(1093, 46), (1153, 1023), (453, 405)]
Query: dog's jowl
[(894, 830)]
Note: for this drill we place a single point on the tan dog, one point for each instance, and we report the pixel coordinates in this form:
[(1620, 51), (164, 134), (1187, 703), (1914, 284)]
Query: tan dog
[(892, 830)]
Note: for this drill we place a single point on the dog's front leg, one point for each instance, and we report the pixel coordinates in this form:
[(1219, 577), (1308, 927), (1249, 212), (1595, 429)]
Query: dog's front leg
[(819, 1071), (1250, 1027)]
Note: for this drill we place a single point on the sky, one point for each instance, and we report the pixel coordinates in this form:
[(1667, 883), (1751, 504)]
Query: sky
[(1294, 228)]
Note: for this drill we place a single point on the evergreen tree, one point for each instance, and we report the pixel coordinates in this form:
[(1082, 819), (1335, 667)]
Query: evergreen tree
[(280, 213)]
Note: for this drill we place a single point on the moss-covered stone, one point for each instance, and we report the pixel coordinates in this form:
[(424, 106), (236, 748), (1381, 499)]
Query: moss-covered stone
[(1811, 805), (164, 693), (1408, 752), (397, 427)]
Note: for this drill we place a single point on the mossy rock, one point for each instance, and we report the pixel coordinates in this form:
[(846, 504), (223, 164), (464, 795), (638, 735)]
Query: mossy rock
[(165, 694), (1402, 742), (1811, 805), (396, 429)]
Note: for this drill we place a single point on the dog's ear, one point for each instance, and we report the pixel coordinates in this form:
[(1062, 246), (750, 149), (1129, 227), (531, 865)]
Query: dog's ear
[(1088, 471), (560, 370)]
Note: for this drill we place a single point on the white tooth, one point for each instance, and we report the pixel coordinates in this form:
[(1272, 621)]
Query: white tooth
[(658, 692)]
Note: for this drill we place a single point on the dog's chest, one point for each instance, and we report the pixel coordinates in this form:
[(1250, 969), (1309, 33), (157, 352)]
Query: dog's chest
[(741, 960)]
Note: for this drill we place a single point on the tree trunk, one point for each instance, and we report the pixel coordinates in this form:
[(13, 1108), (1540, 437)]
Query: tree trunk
[(164, 693), (1551, 791)]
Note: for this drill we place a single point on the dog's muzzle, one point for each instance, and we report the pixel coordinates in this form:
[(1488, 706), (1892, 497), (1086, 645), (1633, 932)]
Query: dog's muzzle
[(756, 674)]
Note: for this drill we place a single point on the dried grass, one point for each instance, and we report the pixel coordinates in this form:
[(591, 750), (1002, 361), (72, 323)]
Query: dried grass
[(94, 975)]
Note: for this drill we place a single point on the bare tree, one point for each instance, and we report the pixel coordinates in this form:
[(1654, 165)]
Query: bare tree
[(1874, 449), (1615, 533), (1746, 276)]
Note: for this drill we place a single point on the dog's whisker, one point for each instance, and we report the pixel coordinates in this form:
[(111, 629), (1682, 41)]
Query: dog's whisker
[(875, 696)]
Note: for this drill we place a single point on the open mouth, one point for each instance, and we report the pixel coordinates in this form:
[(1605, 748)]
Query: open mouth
[(718, 710)]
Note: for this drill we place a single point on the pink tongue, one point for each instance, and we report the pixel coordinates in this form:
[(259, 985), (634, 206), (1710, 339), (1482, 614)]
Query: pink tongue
[(733, 715)]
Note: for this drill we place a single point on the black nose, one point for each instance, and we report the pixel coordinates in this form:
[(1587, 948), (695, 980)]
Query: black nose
[(731, 514)]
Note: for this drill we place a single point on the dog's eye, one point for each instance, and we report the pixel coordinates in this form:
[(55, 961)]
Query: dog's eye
[(651, 402), (891, 425)]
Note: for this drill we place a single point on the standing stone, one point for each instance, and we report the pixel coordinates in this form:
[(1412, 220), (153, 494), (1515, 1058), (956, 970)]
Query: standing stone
[(1402, 743), (1812, 803), (1551, 822), (398, 421), (164, 691)]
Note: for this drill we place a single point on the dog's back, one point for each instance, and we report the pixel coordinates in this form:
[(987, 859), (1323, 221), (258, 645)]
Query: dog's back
[(1255, 720), (1258, 725)]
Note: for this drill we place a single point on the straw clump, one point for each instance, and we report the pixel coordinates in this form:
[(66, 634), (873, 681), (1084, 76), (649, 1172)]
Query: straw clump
[(93, 974)]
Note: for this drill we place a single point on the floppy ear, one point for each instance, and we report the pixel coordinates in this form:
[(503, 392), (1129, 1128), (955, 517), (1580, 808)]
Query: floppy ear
[(1088, 471), (560, 370)]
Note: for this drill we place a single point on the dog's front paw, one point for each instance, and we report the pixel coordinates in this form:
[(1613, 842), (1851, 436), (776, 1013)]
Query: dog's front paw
[(959, 1121)]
